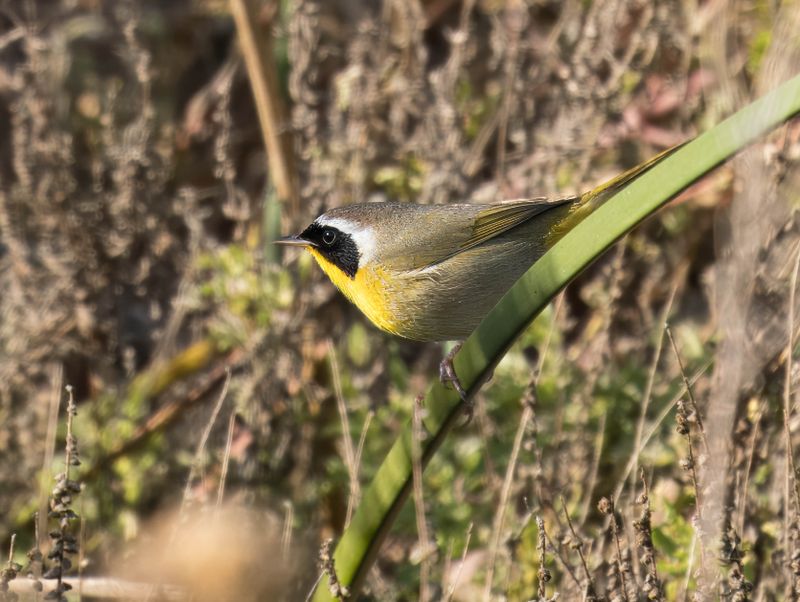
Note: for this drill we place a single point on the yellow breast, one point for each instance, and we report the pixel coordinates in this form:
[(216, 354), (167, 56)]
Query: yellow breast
[(368, 290)]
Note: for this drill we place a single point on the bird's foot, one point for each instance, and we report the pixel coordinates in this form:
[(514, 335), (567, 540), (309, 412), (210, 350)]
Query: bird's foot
[(447, 374)]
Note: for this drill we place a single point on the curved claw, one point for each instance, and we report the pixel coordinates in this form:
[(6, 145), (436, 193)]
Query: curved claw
[(447, 374)]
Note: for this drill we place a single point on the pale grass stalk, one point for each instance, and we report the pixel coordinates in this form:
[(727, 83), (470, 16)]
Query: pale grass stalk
[(347, 441), (106, 588), (363, 437), (689, 566), (517, 537), (790, 474), (454, 583), (749, 466), (689, 391), (598, 451), (620, 562), (525, 418), (195, 468), (69, 449), (355, 495), (56, 380), (286, 533), (655, 426), (646, 397), (513, 18), (11, 548), (499, 517), (425, 547), (486, 430), (81, 547), (197, 463), (448, 564), (259, 59), (648, 389), (310, 593), (692, 459), (225, 461), (590, 587)]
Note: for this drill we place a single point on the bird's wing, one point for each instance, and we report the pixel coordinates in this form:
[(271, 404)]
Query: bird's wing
[(502, 217), (425, 245)]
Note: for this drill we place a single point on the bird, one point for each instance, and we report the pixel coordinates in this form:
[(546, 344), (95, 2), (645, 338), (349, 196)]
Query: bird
[(432, 272)]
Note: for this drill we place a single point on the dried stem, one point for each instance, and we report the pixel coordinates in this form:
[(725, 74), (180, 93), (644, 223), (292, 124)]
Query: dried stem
[(10, 572), (651, 377), (606, 506), (61, 498), (644, 540), (576, 543), (260, 62), (688, 386), (543, 574), (338, 591)]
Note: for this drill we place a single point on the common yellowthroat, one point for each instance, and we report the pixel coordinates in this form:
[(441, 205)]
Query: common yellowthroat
[(431, 272)]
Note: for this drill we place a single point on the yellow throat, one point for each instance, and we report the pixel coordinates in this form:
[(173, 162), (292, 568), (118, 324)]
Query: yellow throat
[(367, 290)]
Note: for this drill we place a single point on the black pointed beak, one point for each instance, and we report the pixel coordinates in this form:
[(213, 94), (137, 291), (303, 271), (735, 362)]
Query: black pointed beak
[(294, 241)]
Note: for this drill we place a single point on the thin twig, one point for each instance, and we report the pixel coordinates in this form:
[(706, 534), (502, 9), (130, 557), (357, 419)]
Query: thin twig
[(541, 544), (595, 469), (651, 377), (689, 392), (748, 467), (683, 419), (643, 528), (56, 378), (606, 506), (577, 544), (70, 459), (565, 565)]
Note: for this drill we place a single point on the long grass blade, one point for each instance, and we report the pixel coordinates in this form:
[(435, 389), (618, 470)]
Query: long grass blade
[(482, 351)]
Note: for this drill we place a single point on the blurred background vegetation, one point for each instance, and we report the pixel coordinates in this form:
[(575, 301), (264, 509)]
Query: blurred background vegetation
[(218, 383)]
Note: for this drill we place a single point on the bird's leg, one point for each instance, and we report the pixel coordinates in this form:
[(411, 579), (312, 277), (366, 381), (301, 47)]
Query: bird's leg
[(447, 374)]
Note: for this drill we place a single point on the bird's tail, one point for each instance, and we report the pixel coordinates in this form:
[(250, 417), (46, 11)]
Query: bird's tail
[(591, 200)]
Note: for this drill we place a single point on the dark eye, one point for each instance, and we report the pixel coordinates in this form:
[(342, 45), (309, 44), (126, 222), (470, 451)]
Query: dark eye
[(329, 237)]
